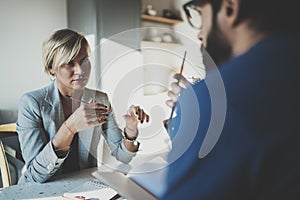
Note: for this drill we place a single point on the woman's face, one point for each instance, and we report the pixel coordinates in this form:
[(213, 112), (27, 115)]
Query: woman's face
[(74, 76)]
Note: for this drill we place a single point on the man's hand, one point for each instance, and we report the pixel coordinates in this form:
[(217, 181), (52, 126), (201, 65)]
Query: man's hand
[(176, 88)]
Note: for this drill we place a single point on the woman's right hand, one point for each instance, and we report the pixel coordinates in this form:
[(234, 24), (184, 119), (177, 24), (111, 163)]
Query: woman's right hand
[(88, 115), (176, 88)]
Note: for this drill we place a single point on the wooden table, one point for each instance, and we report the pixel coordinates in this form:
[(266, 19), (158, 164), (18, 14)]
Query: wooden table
[(53, 189)]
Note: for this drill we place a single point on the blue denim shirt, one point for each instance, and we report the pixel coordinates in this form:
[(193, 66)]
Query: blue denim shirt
[(256, 155)]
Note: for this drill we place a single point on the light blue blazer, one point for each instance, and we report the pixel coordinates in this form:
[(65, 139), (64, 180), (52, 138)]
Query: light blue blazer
[(40, 115)]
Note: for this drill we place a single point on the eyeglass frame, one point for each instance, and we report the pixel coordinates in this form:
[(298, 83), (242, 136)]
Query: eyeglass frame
[(192, 5)]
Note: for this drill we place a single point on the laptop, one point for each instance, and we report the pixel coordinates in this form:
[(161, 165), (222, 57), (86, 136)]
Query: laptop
[(145, 181)]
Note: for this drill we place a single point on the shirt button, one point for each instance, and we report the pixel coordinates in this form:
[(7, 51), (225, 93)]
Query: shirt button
[(50, 166)]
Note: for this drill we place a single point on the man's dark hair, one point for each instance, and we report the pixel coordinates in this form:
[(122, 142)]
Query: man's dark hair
[(265, 15), (270, 15)]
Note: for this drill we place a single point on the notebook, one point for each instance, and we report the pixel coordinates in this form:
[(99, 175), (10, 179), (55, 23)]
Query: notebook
[(93, 189), (146, 181)]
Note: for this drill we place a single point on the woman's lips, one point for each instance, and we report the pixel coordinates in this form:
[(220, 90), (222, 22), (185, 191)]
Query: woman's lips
[(79, 80)]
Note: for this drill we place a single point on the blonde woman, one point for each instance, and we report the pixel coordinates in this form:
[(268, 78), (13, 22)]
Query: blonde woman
[(59, 126)]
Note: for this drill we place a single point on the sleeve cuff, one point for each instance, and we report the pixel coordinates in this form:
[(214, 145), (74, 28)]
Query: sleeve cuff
[(61, 155), (123, 147), (51, 160)]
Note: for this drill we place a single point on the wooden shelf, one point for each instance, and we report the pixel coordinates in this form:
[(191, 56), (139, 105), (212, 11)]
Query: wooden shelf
[(160, 19)]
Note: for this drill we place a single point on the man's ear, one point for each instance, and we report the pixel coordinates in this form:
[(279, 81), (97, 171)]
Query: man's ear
[(231, 10)]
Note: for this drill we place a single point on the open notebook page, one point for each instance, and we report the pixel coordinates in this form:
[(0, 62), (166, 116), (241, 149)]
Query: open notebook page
[(93, 189)]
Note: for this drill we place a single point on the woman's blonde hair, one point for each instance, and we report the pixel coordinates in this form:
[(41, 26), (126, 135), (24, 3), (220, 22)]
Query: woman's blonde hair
[(62, 47)]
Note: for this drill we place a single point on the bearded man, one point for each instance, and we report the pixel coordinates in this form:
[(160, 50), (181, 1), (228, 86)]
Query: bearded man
[(236, 133)]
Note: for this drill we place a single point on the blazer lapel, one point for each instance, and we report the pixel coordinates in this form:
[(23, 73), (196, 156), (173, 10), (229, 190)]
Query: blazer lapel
[(89, 138), (54, 110)]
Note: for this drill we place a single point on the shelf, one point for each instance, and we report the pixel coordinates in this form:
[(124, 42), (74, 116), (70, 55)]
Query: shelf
[(160, 19)]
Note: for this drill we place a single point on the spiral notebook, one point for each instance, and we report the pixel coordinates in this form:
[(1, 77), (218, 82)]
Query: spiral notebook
[(93, 189)]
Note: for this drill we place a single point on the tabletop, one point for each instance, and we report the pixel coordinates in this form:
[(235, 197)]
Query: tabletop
[(53, 189)]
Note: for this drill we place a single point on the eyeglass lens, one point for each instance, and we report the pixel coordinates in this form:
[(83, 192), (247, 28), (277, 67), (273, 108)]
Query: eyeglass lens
[(195, 17)]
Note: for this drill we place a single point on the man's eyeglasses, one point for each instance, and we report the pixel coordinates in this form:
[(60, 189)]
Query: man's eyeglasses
[(193, 14)]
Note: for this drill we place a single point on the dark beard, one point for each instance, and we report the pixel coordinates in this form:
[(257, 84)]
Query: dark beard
[(217, 47)]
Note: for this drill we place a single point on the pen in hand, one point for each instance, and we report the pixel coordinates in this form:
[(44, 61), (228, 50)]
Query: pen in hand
[(181, 69)]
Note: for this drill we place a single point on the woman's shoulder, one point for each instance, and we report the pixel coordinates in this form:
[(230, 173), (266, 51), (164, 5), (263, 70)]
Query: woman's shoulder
[(33, 99), (38, 93)]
